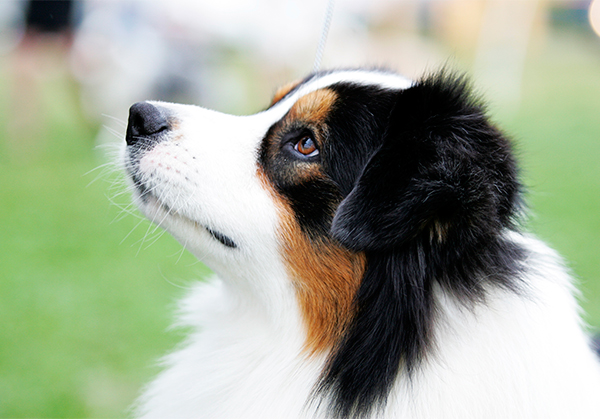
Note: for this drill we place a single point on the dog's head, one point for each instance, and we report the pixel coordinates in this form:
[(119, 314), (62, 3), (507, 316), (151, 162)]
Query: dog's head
[(356, 192)]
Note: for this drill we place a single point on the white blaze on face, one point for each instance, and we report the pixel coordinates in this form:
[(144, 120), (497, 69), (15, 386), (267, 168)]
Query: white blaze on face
[(201, 180), (206, 170)]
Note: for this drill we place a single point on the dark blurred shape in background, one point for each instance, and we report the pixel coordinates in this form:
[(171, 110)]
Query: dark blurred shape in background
[(48, 16), (41, 53)]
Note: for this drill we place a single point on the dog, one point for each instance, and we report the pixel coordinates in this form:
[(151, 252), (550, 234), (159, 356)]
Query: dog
[(365, 232)]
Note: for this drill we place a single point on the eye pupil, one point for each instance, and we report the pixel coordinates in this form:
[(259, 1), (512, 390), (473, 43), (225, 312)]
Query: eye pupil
[(306, 146)]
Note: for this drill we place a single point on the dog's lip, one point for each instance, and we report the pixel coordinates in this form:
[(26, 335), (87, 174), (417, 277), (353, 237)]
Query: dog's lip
[(222, 238)]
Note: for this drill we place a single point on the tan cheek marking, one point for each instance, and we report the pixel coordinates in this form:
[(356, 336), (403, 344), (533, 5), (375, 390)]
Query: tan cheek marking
[(284, 90), (314, 106), (326, 278)]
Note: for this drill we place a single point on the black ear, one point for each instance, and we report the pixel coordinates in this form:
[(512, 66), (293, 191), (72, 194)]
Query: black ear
[(442, 170), (429, 207)]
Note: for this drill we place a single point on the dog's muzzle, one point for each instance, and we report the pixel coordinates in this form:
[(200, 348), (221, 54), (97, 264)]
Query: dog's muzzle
[(145, 121)]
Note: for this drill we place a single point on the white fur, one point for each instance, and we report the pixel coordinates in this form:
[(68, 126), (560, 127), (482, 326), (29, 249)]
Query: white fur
[(514, 356)]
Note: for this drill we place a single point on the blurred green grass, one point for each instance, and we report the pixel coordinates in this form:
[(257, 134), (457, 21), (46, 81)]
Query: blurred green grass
[(557, 130), (86, 297)]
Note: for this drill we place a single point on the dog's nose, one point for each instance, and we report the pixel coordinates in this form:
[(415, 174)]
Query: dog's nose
[(145, 120)]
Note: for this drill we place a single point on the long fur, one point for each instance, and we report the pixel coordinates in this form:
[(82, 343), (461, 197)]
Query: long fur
[(430, 206), (383, 275)]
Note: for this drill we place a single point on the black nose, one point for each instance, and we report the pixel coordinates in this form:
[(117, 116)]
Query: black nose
[(145, 120)]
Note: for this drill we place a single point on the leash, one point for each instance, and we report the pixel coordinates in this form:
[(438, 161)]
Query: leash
[(324, 33)]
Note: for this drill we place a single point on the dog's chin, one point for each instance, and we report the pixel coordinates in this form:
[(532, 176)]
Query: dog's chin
[(175, 222), (162, 214)]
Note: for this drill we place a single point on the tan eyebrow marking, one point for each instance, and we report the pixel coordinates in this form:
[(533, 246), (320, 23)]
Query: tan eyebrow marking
[(284, 90), (314, 106)]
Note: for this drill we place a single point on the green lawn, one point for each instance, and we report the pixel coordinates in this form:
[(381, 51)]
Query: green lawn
[(557, 130), (86, 290)]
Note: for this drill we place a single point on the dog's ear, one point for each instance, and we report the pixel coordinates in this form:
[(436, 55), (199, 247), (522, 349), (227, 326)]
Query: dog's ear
[(428, 208), (442, 170)]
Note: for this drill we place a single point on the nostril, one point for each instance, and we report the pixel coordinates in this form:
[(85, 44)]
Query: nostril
[(145, 119)]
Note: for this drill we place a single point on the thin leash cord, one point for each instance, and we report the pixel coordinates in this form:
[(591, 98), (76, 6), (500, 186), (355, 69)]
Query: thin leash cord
[(324, 33)]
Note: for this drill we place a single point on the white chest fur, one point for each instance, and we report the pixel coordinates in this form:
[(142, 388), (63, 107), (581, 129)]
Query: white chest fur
[(512, 357)]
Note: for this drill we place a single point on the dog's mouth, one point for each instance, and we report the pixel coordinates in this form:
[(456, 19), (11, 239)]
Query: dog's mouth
[(143, 191), (222, 238)]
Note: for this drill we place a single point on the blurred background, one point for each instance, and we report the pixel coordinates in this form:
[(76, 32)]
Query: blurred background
[(88, 288)]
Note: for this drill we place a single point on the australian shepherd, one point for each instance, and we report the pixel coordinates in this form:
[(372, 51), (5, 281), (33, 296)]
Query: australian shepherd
[(369, 262)]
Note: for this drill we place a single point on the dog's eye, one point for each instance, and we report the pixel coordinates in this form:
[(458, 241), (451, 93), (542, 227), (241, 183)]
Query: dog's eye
[(307, 147)]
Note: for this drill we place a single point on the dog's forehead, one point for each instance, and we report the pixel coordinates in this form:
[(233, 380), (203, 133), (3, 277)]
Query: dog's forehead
[(292, 92)]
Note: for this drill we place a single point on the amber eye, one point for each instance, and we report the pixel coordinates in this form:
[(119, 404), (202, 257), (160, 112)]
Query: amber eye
[(306, 146)]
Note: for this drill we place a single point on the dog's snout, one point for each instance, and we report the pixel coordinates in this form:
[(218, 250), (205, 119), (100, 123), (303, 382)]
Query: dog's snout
[(145, 120)]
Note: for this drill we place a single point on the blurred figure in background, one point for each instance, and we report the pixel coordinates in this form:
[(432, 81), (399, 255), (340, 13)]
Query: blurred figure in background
[(128, 51), (39, 56), (48, 17)]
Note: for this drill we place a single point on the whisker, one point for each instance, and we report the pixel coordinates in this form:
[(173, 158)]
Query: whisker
[(155, 239), (143, 240), (132, 230), (171, 282), (114, 132), (183, 249), (115, 119)]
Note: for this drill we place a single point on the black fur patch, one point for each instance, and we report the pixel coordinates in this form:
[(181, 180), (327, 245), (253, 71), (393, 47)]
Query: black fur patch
[(429, 206), (424, 185)]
